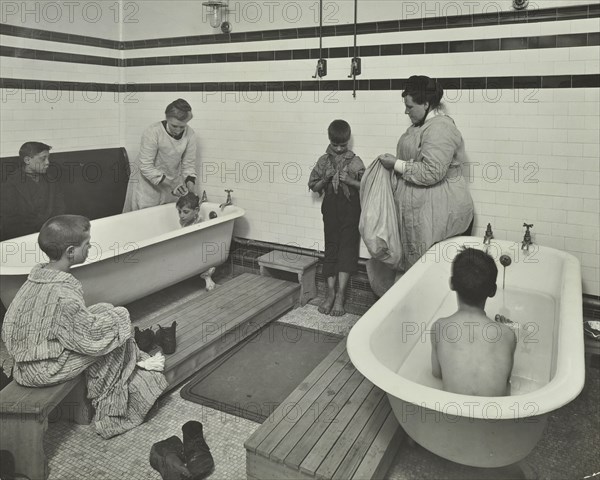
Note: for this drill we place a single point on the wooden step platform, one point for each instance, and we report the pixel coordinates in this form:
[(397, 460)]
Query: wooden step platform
[(303, 266), (212, 323), (335, 425)]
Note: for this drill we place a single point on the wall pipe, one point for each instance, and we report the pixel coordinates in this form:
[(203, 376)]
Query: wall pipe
[(287, 248)]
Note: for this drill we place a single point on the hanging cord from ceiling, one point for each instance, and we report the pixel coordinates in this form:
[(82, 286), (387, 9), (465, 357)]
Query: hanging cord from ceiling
[(355, 63), (321, 63)]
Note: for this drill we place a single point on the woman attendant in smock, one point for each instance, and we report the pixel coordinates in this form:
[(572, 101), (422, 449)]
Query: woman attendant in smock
[(167, 159), (432, 198)]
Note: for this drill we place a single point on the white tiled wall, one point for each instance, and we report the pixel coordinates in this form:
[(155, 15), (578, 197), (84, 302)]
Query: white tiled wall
[(534, 154)]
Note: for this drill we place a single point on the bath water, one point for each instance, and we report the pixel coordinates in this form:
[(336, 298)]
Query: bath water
[(534, 322)]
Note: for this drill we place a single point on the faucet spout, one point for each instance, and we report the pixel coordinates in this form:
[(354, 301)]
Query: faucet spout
[(228, 201), (489, 235), (527, 237)]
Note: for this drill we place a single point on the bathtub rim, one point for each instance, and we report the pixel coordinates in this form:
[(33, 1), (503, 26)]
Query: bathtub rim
[(567, 383), (233, 212)]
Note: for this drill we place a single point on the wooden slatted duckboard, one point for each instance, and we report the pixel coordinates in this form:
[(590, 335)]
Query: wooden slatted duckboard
[(212, 323), (335, 425)]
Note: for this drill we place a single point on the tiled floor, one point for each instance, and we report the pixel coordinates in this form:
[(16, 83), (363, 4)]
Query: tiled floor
[(75, 452), (570, 448)]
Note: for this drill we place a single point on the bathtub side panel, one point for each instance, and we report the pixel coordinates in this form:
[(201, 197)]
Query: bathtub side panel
[(141, 272), (470, 441)]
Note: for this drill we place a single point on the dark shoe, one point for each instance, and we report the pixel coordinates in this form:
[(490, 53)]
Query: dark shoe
[(144, 338), (165, 338), (4, 379), (200, 462), (7, 465), (166, 457)]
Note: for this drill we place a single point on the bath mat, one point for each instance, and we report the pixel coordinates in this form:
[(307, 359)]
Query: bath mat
[(254, 377)]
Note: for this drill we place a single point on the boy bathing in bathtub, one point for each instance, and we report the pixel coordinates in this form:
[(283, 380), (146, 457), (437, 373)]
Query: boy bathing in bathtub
[(53, 336), (188, 208), (338, 174), (472, 354)]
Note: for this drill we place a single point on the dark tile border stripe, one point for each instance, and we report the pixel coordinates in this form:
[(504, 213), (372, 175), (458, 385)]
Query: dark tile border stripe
[(463, 83), (454, 46), (461, 21), (58, 56)]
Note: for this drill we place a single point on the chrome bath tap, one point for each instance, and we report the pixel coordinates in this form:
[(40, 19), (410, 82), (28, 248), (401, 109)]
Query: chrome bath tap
[(228, 201), (527, 237), (489, 235)]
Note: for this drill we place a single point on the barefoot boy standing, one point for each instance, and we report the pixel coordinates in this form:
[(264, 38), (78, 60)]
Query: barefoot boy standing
[(338, 174)]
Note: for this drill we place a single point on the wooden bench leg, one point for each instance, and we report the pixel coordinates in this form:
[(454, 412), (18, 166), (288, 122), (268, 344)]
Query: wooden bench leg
[(75, 407), (308, 287), (265, 272), (23, 436)]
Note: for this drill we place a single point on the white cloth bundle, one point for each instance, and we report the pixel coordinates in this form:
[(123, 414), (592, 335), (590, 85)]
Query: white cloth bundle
[(378, 223), (155, 363)]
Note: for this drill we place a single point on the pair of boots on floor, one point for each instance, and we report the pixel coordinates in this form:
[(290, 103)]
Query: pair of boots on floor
[(187, 460), (164, 338)]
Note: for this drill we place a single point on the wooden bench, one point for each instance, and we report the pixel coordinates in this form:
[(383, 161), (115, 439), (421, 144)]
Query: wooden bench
[(94, 182), (335, 425), (24, 416), (303, 266)]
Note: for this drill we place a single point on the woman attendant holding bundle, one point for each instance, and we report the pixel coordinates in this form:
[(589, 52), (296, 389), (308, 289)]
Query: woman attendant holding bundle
[(432, 197)]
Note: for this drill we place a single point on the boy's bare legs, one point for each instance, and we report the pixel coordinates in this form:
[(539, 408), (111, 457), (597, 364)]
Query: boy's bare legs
[(327, 303), (338, 306)]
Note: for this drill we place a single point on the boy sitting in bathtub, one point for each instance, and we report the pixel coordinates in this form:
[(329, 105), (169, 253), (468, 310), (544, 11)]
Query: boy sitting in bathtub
[(188, 208), (54, 336), (472, 354)]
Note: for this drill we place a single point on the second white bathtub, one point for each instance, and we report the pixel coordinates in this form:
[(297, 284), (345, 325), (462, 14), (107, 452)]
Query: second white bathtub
[(133, 254), (390, 345)]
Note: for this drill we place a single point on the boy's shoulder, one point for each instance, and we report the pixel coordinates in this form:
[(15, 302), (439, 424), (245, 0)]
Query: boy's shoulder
[(508, 333), (323, 158), (356, 158), (54, 279)]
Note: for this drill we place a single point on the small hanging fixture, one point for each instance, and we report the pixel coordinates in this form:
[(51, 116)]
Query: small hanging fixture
[(216, 9), (520, 4), (355, 68), (322, 62)]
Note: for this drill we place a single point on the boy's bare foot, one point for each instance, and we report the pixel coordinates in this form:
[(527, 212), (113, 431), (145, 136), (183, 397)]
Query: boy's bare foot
[(326, 304), (338, 307), (210, 284)]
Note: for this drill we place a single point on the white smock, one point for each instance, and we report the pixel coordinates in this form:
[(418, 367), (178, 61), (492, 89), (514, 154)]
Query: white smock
[(433, 200), (161, 154)]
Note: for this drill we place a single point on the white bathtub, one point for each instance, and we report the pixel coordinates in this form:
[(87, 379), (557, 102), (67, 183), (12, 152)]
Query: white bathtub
[(390, 346), (131, 255)]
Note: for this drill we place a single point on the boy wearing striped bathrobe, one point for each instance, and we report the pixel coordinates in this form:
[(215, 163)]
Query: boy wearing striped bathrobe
[(53, 336)]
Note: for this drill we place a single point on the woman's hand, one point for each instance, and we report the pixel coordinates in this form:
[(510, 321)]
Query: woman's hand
[(387, 160), (177, 189), (180, 190)]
